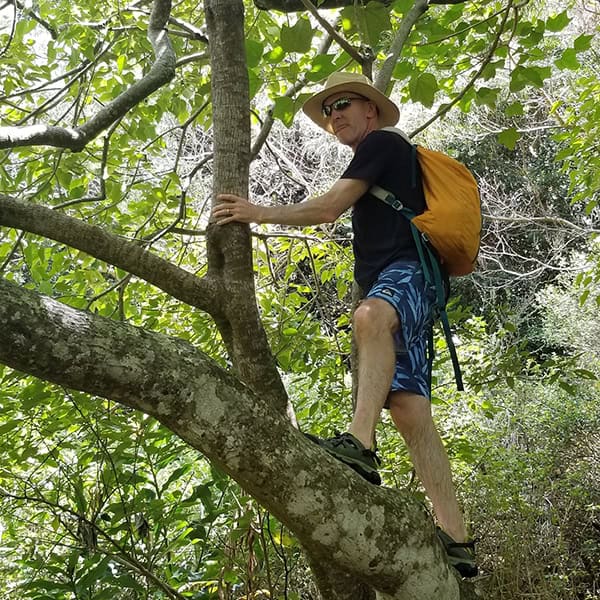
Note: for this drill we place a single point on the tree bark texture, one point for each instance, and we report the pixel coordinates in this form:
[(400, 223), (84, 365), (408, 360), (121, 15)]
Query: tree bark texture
[(378, 537), (229, 247)]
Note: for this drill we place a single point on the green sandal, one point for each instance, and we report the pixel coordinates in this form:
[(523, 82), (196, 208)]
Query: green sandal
[(347, 449)]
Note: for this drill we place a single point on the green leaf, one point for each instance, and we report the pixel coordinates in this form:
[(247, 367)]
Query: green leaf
[(568, 387), (322, 66), (558, 22), (93, 575), (23, 27), (568, 60), (487, 96), (423, 89), (80, 499), (284, 110), (521, 77), (531, 35), (491, 69), (403, 70), (509, 137), (402, 6), (583, 42), (275, 55), (254, 82), (297, 38), (254, 52), (585, 374), (64, 177), (9, 426), (176, 474), (377, 21), (514, 110)]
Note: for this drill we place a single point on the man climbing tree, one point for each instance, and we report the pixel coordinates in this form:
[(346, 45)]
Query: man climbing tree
[(393, 324)]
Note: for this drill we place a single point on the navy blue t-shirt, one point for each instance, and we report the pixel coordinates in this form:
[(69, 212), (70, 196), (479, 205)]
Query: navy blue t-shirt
[(381, 234)]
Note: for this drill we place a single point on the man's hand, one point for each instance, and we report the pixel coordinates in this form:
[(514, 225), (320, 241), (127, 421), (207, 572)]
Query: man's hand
[(232, 208)]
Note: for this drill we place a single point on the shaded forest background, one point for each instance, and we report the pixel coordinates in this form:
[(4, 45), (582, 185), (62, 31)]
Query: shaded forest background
[(100, 501)]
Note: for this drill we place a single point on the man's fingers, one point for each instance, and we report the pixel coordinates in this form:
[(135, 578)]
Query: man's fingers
[(232, 208), (222, 210)]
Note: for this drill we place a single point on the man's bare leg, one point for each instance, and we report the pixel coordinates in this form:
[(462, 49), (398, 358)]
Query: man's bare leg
[(375, 322), (411, 414)]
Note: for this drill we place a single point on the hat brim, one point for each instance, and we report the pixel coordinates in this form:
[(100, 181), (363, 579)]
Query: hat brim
[(388, 111)]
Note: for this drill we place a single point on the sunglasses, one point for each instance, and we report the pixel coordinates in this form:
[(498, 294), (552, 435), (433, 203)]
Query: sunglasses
[(339, 105)]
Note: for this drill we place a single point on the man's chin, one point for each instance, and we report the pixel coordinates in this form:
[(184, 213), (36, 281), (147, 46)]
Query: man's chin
[(342, 134)]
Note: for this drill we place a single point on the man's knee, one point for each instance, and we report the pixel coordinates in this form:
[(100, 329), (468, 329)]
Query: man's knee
[(375, 316)]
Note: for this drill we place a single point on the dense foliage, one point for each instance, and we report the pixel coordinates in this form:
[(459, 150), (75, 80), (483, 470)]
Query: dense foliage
[(99, 501)]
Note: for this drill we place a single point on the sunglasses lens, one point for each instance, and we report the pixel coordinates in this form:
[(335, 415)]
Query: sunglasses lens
[(339, 105), (342, 104)]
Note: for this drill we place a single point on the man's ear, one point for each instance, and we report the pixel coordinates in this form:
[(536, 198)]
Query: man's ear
[(373, 110)]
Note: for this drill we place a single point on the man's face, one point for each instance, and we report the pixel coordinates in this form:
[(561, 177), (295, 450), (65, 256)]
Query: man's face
[(351, 117)]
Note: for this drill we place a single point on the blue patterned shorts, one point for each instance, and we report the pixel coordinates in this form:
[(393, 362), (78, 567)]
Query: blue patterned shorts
[(402, 285)]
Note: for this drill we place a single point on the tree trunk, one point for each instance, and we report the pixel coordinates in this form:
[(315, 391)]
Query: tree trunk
[(229, 247)]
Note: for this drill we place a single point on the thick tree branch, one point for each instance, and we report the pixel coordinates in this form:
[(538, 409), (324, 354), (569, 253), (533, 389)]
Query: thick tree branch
[(161, 72), (128, 255), (382, 537)]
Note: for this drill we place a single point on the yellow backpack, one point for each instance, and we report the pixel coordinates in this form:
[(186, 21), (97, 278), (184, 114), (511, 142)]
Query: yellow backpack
[(452, 220)]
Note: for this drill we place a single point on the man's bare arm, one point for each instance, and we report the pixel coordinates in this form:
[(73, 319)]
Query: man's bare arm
[(319, 209)]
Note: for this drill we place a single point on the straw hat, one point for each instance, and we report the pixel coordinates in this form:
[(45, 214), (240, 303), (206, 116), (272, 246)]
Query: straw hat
[(358, 84)]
